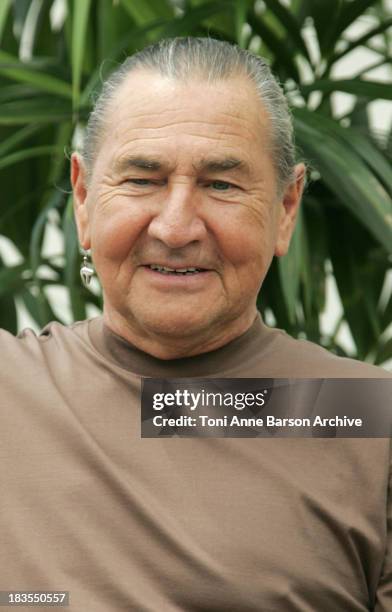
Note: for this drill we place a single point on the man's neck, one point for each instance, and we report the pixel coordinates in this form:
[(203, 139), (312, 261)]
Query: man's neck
[(167, 347)]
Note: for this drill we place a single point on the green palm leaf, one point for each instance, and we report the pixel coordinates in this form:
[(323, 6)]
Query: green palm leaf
[(359, 87), (346, 175), (13, 69), (79, 28), (36, 110)]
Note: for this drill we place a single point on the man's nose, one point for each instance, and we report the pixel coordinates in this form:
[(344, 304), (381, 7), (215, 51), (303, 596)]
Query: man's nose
[(177, 222)]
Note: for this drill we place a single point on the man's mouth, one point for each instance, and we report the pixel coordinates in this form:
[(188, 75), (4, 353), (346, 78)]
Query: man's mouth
[(179, 271)]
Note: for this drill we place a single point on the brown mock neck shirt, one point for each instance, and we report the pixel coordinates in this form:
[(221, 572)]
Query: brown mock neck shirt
[(181, 524)]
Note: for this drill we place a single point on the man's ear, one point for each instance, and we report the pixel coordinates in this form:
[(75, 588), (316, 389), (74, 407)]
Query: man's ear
[(289, 206), (79, 186)]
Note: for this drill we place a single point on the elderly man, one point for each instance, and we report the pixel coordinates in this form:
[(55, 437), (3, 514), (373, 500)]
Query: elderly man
[(186, 189)]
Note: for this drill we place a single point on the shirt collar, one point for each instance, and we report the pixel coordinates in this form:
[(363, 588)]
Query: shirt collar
[(224, 359)]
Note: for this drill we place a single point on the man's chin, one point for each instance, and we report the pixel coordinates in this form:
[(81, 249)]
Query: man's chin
[(169, 333), (179, 325)]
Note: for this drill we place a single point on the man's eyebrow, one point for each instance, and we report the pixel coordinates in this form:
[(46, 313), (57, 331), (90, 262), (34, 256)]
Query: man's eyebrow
[(137, 161), (221, 165), (209, 165)]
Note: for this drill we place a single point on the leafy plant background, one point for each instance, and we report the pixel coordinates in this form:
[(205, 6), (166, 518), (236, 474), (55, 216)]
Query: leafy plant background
[(54, 55)]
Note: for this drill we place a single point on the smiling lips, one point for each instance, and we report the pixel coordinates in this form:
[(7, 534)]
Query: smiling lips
[(183, 271)]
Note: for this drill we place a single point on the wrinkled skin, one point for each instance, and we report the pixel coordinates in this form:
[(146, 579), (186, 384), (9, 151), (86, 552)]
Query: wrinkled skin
[(230, 221)]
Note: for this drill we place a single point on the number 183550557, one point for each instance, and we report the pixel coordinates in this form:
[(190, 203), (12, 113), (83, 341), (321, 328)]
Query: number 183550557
[(34, 598)]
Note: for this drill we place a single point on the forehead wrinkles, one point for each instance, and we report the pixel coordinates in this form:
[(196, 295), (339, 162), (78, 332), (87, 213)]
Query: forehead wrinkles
[(175, 133), (154, 112), (182, 120), (182, 141), (197, 134)]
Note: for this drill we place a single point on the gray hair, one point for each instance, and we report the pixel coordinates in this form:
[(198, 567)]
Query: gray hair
[(212, 60)]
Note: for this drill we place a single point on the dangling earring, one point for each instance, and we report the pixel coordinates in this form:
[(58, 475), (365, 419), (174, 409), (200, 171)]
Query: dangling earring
[(86, 270)]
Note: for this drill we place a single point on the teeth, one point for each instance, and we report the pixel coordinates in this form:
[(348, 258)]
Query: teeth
[(186, 269), (166, 270), (161, 268)]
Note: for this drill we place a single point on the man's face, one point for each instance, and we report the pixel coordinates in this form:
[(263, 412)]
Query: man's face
[(183, 179)]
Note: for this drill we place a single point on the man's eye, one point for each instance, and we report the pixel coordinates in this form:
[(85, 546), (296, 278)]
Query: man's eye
[(139, 181), (221, 185)]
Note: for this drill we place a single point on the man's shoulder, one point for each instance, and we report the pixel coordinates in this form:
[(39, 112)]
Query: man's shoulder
[(30, 343), (302, 358)]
